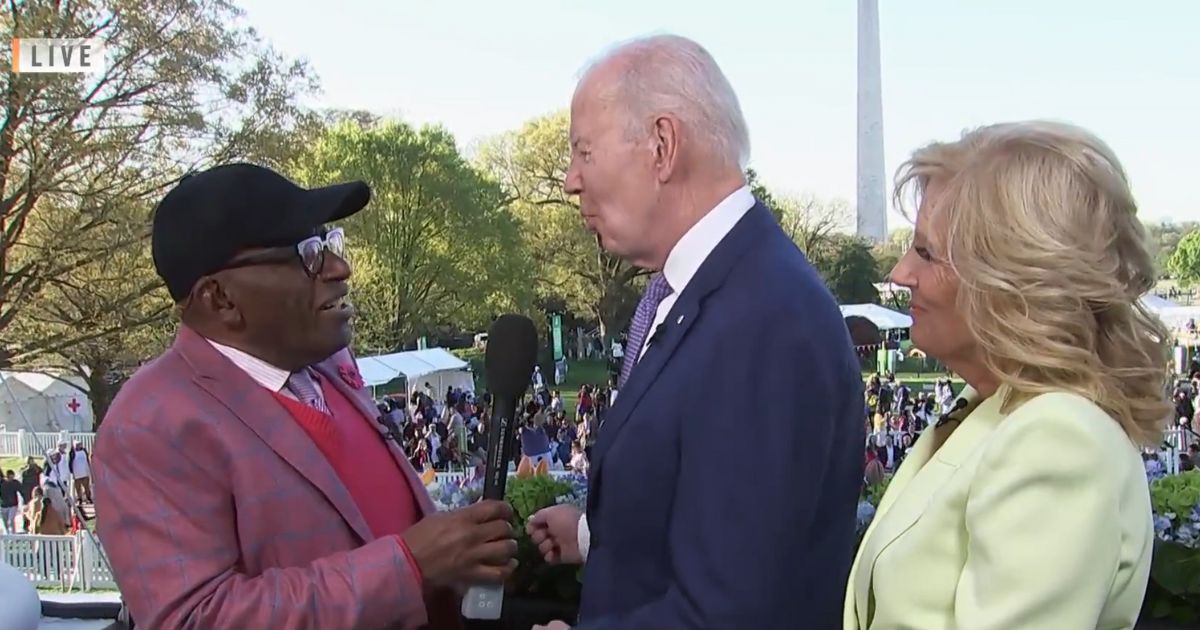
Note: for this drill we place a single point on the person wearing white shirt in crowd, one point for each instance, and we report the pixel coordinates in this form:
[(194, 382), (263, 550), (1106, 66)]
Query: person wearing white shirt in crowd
[(56, 482)]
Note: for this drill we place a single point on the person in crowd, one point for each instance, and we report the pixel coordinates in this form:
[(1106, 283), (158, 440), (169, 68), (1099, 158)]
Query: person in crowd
[(556, 403), (55, 464), (906, 443), (42, 517), (79, 463), (31, 476), (874, 472), (566, 442), (1154, 466), (584, 406), (241, 478), (1026, 268), (10, 502), (579, 460), (1184, 409), (56, 483), (658, 149), (535, 443)]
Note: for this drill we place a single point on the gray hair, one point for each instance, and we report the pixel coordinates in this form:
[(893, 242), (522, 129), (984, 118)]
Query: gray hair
[(669, 73)]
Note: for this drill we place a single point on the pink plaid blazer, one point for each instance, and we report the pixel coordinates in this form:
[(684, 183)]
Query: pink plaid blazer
[(217, 510)]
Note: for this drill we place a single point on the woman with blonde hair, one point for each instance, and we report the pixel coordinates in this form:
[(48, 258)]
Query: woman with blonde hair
[(1026, 506)]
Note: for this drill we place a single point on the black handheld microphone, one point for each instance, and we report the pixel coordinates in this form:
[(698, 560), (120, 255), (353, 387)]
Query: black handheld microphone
[(511, 354), (959, 404)]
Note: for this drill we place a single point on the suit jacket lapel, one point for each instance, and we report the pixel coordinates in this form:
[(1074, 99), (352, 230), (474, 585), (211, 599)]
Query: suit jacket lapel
[(268, 419), (670, 333), (925, 471), (332, 369)]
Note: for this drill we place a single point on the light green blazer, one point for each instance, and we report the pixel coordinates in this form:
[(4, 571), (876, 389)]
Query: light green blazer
[(1035, 520)]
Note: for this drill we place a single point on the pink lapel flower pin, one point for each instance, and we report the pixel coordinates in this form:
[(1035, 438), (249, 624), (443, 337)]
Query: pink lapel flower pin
[(351, 376)]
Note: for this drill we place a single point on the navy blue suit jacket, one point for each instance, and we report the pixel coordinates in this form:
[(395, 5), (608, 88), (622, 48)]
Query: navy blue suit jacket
[(725, 478)]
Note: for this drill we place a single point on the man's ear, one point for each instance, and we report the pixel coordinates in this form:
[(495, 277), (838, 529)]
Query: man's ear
[(665, 136), (217, 297)]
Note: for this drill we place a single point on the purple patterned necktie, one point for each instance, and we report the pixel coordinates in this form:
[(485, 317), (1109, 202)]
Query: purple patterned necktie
[(304, 387), (656, 292)]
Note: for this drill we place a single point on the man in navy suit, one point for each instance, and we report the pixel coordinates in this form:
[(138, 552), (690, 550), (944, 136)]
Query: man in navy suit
[(724, 481)]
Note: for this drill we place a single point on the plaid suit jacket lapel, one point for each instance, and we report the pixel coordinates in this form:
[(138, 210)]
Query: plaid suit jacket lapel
[(258, 409)]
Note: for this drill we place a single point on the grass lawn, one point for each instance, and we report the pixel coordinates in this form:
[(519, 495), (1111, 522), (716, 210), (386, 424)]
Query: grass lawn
[(580, 373), (14, 464)]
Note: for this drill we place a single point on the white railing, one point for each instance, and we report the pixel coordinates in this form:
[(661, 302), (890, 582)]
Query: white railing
[(67, 562), (1175, 441), (24, 443), (457, 477)]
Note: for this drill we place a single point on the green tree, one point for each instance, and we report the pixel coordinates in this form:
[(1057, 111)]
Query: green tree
[(436, 247), (888, 253), (530, 164), (1163, 238), (1184, 263), (813, 223), (109, 314), (850, 270), (83, 159), (762, 193), (184, 88)]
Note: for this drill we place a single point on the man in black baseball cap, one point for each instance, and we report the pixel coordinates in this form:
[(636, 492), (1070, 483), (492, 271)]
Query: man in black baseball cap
[(244, 249), (245, 479)]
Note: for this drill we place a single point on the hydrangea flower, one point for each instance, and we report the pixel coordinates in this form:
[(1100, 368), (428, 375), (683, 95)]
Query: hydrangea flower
[(866, 513)]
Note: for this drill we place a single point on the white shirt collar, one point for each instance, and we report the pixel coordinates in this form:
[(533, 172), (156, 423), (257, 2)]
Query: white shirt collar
[(695, 246), (263, 373)]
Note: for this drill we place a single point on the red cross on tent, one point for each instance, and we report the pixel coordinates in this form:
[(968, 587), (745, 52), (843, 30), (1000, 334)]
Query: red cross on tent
[(74, 405)]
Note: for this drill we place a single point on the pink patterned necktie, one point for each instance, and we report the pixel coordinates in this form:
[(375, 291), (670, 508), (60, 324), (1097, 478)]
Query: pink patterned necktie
[(305, 387), (656, 292)]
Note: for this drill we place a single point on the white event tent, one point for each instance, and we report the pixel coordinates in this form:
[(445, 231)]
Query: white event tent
[(1175, 316), (883, 318), (50, 403), (411, 370)]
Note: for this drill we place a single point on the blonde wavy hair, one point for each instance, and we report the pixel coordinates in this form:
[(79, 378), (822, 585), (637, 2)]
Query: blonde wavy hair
[(1042, 231)]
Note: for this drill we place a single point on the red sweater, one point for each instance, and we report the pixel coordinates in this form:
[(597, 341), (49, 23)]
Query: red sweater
[(374, 479)]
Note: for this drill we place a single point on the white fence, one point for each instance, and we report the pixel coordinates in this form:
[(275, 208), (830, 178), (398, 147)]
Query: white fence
[(24, 444), (1175, 441), (68, 562), (458, 477)]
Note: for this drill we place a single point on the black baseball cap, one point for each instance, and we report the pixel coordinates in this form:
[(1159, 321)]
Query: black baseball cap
[(211, 216)]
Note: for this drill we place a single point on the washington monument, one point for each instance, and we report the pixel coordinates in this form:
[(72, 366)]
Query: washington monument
[(871, 209)]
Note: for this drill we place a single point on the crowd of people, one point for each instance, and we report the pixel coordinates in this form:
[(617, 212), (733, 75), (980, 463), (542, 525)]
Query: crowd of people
[(895, 416), (450, 432), (45, 497)]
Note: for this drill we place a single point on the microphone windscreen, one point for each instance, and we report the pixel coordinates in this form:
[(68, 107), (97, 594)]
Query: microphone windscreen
[(512, 347)]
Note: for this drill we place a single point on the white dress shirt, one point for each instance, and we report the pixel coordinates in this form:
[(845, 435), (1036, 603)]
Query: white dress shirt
[(263, 373), (682, 264)]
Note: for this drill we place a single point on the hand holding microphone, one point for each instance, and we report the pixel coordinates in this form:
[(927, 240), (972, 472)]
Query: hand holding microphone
[(472, 545)]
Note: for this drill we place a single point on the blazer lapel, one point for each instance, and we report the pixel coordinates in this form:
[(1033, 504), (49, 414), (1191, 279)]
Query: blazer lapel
[(268, 419), (331, 369), (665, 340), (926, 470)]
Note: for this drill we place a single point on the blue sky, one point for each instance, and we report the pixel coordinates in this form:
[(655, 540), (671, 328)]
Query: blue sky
[(1128, 71)]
